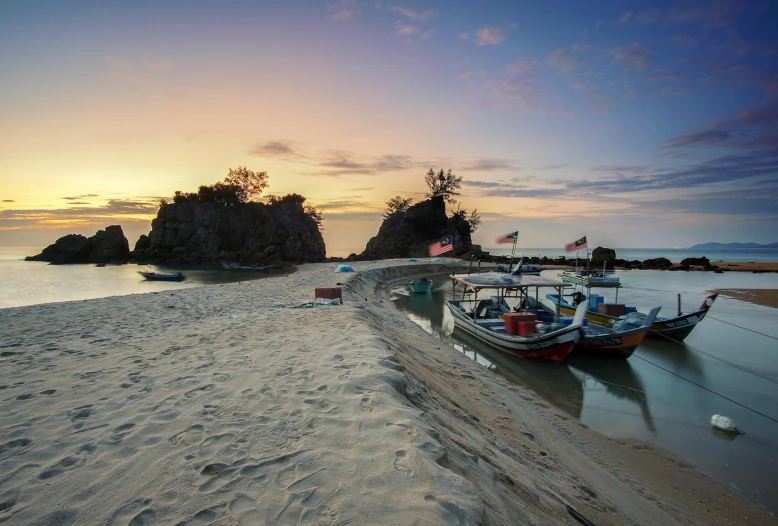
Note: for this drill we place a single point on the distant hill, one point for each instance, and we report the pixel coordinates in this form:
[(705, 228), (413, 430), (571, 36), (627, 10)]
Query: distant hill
[(730, 246)]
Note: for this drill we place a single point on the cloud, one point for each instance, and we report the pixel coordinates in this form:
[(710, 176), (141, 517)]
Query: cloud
[(649, 16), (282, 149), (428, 33), (345, 10), (565, 60), (636, 56), (8, 201), (753, 128), (620, 168), (405, 30), (139, 209), (682, 41), (159, 64), (489, 36), (527, 93), (132, 79), (464, 36), (415, 15), (337, 163), (711, 14), (522, 67), (623, 18), (80, 197), (664, 75), (489, 165), (550, 167)]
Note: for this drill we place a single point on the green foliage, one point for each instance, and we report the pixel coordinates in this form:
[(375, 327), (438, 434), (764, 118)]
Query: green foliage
[(397, 204), (246, 182), (443, 184), (473, 219), (275, 200)]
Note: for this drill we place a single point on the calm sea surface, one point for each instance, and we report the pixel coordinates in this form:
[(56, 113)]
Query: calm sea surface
[(31, 282), (666, 392)]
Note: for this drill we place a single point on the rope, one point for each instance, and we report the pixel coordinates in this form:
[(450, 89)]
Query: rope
[(706, 389), (744, 328)]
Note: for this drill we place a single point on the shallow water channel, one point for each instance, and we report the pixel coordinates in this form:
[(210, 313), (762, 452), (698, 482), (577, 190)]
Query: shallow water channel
[(667, 391)]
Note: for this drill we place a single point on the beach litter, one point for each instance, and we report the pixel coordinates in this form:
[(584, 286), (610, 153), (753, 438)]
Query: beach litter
[(725, 424), (231, 316), (411, 259), (327, 301), (344, 268)]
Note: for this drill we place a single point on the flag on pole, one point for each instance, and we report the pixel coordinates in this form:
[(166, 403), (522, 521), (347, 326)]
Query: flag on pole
[(444, 245), (576, 245), (508, 238)]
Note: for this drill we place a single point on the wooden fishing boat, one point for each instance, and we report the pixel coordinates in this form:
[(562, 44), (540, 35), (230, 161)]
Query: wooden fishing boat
[(586, 279), (421, 286), (677, 327), (519, 334), (522, 269), (157, 276), (618, 340), (244, 268)]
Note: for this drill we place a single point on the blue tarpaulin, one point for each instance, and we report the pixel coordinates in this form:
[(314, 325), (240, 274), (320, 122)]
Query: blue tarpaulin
[(344, 268)]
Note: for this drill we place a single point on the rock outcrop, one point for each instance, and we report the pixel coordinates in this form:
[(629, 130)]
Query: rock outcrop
[(410, 233), (603, 256), (193, 233), (106, 246)]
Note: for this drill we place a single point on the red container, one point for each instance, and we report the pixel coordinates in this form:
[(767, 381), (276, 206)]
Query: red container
[(611, 309), (329, 293), (511, 320), (525, 328)]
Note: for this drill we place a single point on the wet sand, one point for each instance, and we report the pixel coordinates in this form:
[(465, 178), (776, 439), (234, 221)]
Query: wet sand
[(766, 297), (740, 266), (163, 408)]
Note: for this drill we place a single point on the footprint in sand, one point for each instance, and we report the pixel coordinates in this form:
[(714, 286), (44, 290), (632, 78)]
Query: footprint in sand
[(14, 444), (191, 435), (80, 412), (321, 405), (136, 513), (401, 463), (366, 404), (244, 510)]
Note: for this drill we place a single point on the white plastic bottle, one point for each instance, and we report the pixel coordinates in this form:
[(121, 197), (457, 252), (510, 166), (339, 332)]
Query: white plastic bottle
[(724, 423)]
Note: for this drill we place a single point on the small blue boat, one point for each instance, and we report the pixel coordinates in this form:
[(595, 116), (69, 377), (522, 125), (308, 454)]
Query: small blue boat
[(244, 268), (156, 276), (421, 286)]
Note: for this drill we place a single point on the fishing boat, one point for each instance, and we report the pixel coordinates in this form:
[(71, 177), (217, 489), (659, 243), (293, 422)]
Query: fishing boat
[(677, 327), (494, 322), (243, 268), (421, 286), (157, 276), (522, 269), (618, 340), (590, 278)]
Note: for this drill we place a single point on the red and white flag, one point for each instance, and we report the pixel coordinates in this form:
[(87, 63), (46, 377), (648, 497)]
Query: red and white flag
[(442, 246), (576, 245)]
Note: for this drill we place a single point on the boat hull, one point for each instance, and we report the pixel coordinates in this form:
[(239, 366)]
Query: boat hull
[(152, 276), (615, 345), (555, 346), (421, 287), (677, 328)]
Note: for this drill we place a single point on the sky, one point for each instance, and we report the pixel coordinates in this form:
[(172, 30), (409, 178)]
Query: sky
[(637, 124)]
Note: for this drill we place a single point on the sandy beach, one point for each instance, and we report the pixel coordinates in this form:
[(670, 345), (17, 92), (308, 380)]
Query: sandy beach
[(161, 408), (766, 297)]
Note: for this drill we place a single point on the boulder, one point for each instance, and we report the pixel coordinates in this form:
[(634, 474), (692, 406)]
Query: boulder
[(410, 233), (194, 233), (657, 264), (697, 262), (106, 246), (603, 256)]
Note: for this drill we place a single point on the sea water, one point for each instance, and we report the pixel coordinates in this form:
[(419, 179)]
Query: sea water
[(666, 392)]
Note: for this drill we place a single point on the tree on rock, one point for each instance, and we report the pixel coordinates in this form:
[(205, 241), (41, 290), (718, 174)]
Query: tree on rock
[(247, 182), (397, 204), (443, 184)]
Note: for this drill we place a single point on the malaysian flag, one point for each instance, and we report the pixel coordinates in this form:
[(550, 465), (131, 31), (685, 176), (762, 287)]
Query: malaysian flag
[(576, 245), (444, 245), (508, 238)]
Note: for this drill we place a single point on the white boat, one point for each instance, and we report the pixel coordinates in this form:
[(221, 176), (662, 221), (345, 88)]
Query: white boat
[(490, 320)]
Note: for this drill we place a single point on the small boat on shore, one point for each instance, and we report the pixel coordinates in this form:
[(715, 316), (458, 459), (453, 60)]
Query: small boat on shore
[(157, 276), (608, 315), (519, 334), (522, 270), (584, 278), (421, 286), (244, 268)]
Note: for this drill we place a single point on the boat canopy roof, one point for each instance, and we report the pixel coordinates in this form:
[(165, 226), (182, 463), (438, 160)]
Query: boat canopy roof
[(499, 280)]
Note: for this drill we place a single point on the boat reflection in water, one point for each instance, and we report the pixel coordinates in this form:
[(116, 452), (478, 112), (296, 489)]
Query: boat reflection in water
[(562, 384)]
